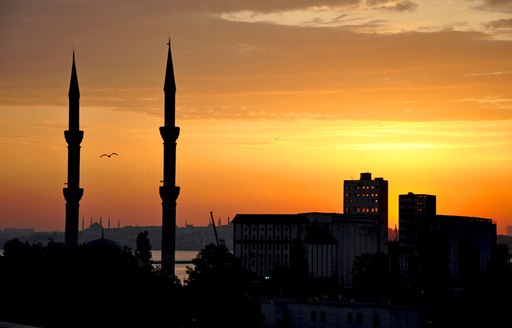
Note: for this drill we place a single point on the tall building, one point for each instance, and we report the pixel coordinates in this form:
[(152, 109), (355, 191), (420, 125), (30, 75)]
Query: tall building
[(73, 193), (169, 192), (368, 198), (415, 214)]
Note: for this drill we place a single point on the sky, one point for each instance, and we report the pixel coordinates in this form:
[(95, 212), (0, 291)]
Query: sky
[(278, 103)]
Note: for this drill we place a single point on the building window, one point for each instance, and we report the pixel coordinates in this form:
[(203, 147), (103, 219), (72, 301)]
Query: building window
[(322, 316), (350, 318)]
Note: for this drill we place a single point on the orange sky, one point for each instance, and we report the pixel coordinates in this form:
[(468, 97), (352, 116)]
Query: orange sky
[(278, 102)]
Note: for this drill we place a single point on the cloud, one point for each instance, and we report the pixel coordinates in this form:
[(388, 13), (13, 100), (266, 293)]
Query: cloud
[(265, 7), (216, 7), (499, 24), (496, 5), (398, 6)]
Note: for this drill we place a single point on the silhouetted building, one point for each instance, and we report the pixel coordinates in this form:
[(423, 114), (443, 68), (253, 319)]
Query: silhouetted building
[(368, 198), (330, 241), (264, 242), (356, 235), (462, 244), (73, 193), (169, 191), (415, 214), (331, 314), (470, 242)]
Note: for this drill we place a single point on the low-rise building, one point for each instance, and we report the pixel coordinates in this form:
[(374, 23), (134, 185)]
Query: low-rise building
[(280, 313)]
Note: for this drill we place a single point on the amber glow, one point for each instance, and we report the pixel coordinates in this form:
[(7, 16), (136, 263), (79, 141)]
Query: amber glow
[(277, 106)]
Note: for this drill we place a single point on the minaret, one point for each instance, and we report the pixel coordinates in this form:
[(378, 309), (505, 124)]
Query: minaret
[(73, 193), (169, 191)]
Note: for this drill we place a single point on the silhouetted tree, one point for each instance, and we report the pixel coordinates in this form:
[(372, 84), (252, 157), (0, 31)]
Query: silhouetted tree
[(372, 277), (59, 285), (217, 291), (143, 248), (293, 280)]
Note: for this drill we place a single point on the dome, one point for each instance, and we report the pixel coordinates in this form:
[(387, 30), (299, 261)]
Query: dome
[(104, 247)]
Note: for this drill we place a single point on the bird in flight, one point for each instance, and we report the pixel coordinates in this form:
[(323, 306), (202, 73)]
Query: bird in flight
[(109, 155)]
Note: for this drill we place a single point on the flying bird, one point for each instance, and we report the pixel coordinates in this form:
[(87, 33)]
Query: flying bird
[(109, 155)]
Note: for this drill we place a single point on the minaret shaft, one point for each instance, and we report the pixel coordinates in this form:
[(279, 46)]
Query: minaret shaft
[(170, 115), (73, 193), (169, 191)]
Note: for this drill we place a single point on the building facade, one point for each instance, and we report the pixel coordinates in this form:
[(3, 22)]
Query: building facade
[(368, 198), (280, 313), (416, 212), (265, 242)]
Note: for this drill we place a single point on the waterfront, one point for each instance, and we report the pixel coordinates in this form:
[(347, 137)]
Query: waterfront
[(180, 269)]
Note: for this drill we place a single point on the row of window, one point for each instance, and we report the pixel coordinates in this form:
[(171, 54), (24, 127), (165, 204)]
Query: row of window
[(252, 256), (361, 209), (262, 269), (350, 318), (269, 227), (350, 186), (269, 237), (277, 247), (356, 194)]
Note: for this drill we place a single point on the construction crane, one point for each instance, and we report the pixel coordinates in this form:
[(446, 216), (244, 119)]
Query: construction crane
[(214, 229)]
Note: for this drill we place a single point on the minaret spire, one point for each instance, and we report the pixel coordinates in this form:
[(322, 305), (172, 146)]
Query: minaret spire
[(169, 191), (73, 193)]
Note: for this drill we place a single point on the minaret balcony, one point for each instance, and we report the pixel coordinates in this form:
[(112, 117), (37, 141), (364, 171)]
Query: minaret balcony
[(73, 136), (169, 194), (73, 195), (169, 133)]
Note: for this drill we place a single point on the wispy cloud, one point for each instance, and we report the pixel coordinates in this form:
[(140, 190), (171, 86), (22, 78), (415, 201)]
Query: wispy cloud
[(381, 16)]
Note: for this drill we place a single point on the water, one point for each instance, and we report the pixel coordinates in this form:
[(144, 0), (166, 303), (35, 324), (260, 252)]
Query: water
[(180, 269)]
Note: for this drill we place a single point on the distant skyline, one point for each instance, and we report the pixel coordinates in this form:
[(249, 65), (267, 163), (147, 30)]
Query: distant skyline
[(278, 103)]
